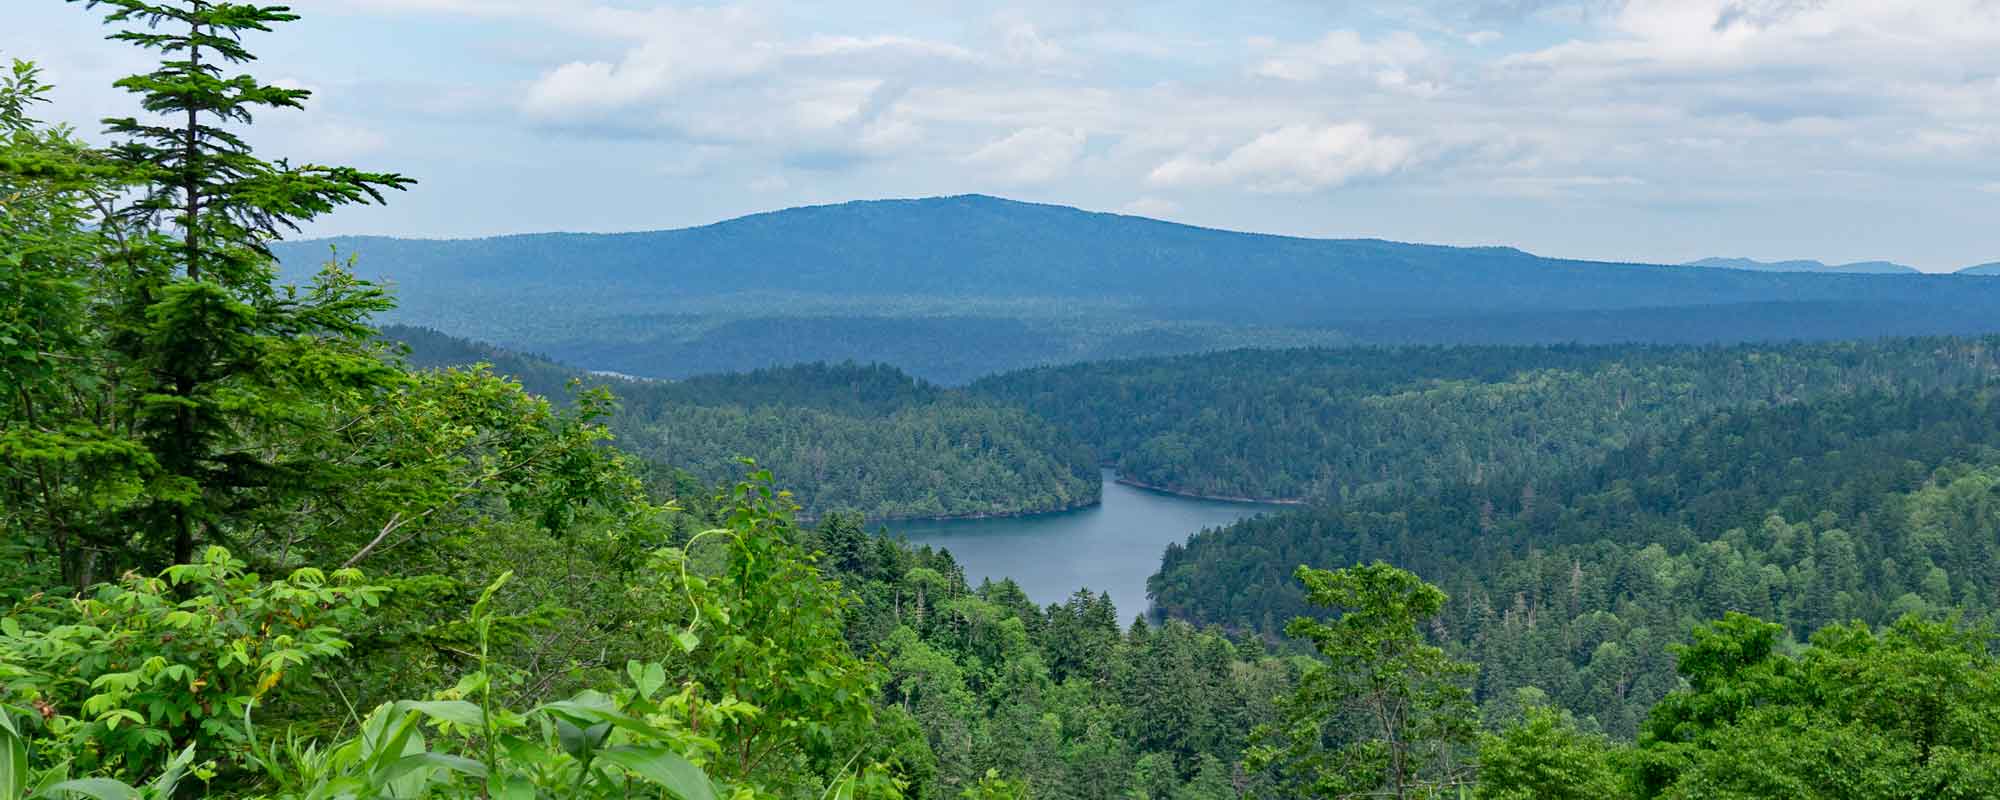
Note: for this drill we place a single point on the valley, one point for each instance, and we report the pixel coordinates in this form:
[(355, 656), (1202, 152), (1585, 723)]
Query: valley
[(1109, 548), (968, 498)]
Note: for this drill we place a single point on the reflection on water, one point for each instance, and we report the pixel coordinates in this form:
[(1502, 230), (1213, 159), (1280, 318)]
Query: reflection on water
[(1111, 547)]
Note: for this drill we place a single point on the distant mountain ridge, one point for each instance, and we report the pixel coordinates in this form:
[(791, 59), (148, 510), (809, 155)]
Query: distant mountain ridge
[(952, 288), (1808, 265), (1982, 269)]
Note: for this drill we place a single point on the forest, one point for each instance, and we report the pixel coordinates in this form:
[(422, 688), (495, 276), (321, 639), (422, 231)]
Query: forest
[(254, 546), (840, 438), (1340, 423)]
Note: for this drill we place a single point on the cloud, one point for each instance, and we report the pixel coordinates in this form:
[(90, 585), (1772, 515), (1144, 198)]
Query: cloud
[(1150, 206), (1558, 185), (1294, 158), (677, 47), (1024, 43), (1762, 106), (1030, 155), (1388, 59), (1990, 188)]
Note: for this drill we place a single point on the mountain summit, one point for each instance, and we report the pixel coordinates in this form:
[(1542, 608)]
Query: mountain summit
[(954, 287), (1856, 268)]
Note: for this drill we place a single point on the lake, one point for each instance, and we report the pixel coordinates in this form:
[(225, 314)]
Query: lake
[(1111, 547)]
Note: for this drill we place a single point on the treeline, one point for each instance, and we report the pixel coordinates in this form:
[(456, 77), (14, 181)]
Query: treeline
[(1333, 424), (1867, 508), (841, 437), (250, 552), (1067, 699)]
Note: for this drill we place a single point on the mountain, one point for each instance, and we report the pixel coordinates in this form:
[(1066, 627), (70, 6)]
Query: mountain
[(1982, 269), (1856, 268), (952, 288), (1875, 268)]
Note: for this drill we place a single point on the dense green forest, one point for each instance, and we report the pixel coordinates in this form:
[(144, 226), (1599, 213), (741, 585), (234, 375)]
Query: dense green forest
[(1867, 507), (1319, 423), (249, 549), (841, 437)]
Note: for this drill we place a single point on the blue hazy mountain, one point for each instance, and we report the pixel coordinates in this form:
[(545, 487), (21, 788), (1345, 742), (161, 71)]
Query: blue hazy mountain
[(1856, 268), (950, 288), (1982, 269)]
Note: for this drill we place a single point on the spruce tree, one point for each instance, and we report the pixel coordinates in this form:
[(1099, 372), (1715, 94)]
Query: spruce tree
[(214, 352)]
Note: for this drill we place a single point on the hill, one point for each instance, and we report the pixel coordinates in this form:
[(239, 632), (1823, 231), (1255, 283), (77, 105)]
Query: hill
[(953, 288), (1856, 268), (842, 437), (1861, 507), (1325, 424), (1982, 269)]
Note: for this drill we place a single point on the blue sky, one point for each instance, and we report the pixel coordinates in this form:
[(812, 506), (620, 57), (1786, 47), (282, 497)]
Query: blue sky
[(1648, 130)]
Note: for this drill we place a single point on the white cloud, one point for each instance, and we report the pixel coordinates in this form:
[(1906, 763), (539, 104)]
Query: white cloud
[(1026, 44), (1685, 104), (1389, 59), (1030, 155), (677, 47), (1150, 206), (1294, 158)]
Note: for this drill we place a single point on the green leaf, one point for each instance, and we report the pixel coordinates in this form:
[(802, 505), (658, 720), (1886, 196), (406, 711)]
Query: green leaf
[(664, 768), (571, 738), (13, 762), (164, 785), (456, 712), (688, 640), (408, 764), (517, 788), (94, 788), (647, 678)]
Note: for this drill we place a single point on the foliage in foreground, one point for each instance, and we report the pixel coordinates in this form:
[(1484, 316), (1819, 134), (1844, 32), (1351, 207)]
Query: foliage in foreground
[(176, 426)]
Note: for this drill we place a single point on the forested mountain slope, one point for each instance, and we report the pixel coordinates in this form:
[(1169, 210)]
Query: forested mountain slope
[(249, 553), (1333, 423), (1866, 506), (952, 288), (844, 437)]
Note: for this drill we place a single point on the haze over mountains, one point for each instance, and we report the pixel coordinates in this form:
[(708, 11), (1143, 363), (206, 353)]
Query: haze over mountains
[(952, 288), (1856, 268), (1982, 269)]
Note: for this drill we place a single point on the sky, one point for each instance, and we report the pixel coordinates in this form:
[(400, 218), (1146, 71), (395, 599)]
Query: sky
[(1631, 130)]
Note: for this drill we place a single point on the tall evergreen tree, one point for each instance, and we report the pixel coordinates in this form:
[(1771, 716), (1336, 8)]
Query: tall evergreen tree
[(211, 354), (1388, 713)]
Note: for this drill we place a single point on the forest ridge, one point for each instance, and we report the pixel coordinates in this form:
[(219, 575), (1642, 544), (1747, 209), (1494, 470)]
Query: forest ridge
[(951, 289), (255, 544)]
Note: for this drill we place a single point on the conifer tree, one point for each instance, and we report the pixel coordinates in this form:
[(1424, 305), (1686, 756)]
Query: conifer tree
[(213, 352), (1387, 715), (64, 466)]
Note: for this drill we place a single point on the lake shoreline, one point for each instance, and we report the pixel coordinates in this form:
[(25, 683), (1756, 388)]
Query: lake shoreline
[(1114, 547), (1137, 484), (1098, 501), (1120, 479)]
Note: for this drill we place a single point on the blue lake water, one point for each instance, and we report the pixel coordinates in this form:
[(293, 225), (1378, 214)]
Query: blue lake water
[(1112, 547)]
